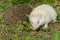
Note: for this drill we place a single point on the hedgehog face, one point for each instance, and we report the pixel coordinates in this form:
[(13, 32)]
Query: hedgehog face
[(36, 24), (35, 21)]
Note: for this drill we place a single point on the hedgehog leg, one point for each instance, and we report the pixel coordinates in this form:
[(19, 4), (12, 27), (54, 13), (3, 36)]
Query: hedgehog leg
[(45, 26)]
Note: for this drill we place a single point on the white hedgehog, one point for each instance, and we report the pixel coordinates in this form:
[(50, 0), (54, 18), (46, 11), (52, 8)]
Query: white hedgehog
[(42, 15)]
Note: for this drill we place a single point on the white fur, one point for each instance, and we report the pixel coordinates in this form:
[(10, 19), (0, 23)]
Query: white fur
[(41, 15)]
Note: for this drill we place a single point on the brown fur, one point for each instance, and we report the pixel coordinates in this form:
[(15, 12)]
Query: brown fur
[(17, 13)]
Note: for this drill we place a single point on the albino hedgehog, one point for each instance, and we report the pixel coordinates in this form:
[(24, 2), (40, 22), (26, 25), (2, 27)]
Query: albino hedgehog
[(42, 15)]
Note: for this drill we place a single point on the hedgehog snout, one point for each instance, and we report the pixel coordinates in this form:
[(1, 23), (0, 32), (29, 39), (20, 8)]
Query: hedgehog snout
[(35, 26)]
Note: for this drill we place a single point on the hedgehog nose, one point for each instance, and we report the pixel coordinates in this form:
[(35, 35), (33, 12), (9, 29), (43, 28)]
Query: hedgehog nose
[(34, 28)]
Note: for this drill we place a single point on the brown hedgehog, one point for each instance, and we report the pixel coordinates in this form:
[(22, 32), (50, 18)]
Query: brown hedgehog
[(17, 14)]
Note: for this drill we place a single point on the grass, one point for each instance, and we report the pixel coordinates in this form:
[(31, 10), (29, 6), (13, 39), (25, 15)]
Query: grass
[(55, 36), (23, 32)]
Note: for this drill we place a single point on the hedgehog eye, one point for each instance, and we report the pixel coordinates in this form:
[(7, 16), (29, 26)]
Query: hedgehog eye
[(38, 22)]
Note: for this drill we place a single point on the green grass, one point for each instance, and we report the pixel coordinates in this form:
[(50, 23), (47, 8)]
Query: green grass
[(55, 36), (23, 32)]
